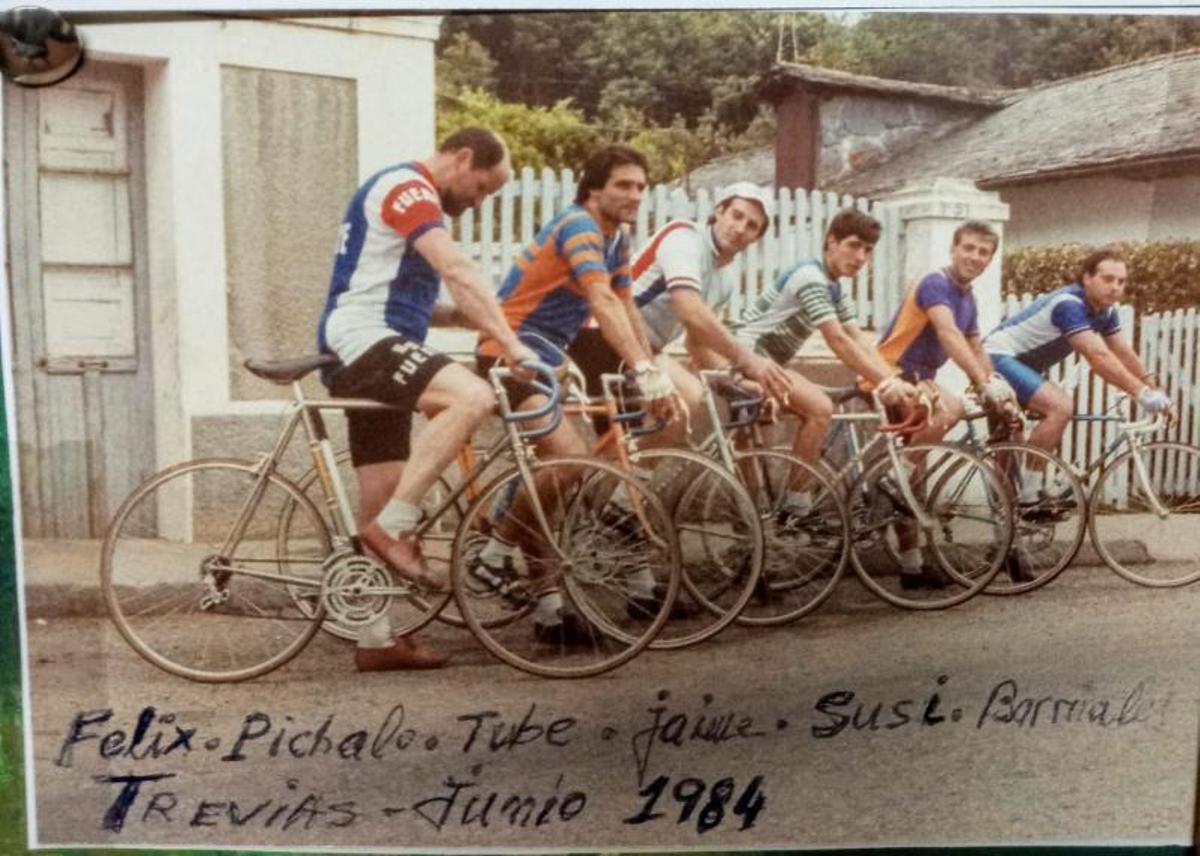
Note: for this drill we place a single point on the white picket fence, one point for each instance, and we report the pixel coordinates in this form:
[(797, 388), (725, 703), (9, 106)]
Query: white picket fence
[(508, 220), (1169, 345)]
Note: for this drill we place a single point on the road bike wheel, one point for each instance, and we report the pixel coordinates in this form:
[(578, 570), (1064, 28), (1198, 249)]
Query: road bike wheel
[(1048, 529), (410, 609), (193, 604), (720, 542), (970, 533), (618, 573), (1132, 539), (804, 555)]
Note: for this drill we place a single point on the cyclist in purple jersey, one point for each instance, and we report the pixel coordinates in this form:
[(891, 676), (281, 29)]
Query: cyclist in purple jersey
[(938, 320)]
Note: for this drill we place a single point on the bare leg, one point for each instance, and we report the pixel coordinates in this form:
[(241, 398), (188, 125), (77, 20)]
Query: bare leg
[(376, 649), (815, 410), (456, 401), (376, 484), (1056, 408), (949, 413)]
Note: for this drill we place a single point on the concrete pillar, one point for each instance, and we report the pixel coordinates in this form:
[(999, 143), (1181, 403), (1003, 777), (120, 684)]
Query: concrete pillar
[(928, 212)]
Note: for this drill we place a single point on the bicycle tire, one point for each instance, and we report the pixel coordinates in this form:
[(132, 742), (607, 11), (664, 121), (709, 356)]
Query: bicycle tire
[(180, 518), (720, 543), (960, 555), (603, 558), (1049, 532), (1174, 471), (802, 563)]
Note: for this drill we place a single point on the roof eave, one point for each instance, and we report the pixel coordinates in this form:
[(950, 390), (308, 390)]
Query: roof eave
[(1145, 166), (785, 78)]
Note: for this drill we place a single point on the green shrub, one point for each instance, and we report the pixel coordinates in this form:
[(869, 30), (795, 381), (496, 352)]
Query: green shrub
[(537, 137), (1163, 275)]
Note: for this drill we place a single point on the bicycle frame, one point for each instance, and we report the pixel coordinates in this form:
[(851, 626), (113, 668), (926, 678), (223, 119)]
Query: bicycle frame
[(304, 412), (858, 453), (1129, 434)]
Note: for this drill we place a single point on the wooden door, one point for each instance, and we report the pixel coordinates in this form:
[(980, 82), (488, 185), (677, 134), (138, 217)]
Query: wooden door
[(79, 298)]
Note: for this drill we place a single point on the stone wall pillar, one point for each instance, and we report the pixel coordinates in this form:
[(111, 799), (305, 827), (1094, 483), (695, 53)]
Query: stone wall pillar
[(928, 212)]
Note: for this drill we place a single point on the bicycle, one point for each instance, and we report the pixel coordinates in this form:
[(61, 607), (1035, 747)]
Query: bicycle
[(263, 589), (1050, 506), (720, 534), (948, 495), (1148, 492), (804, 554)]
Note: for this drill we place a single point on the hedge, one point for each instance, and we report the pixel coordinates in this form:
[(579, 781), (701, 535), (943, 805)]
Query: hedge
[(1163, 275)]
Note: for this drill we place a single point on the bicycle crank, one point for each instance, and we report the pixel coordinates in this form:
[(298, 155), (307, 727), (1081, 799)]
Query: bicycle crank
[(356, 590)]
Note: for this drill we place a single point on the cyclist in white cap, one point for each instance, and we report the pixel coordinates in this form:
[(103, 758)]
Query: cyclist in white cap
[(681, 281)]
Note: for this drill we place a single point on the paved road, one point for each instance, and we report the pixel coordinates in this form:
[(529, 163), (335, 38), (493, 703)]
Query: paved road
[(1064, 716)]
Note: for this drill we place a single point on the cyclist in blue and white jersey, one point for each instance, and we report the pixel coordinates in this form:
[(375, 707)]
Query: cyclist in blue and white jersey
[(1080, 317), (393, 254)]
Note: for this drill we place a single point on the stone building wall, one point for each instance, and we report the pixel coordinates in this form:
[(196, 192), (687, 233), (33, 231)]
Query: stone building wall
[(858, 130)]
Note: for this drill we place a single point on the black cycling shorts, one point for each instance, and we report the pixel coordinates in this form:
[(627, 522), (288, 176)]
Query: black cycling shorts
[(395, 371)]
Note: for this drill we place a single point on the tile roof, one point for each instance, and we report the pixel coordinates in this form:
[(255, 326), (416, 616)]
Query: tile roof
[(1140, 114)]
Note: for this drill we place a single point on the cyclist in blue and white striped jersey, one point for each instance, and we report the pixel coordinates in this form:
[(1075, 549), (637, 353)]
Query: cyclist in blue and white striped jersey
[(1080, 317)]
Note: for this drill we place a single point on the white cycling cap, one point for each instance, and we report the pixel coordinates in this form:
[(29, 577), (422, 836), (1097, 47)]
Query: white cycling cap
[(745, 190)]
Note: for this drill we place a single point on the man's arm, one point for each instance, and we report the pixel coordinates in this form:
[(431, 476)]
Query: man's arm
[(1089, 345), (976, 343), (465, 283), (704, 358), (703, 327), (618, 329), (854, 348), (956, 346), (448, 315), (635, 320), (706, 333), (1129, 358)]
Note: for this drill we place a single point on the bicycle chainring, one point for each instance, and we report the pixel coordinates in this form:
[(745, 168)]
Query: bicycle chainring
[(350, 589)]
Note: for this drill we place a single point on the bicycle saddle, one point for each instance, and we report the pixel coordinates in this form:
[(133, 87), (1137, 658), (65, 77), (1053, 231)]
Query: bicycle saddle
[(842, 394), (286, 371)]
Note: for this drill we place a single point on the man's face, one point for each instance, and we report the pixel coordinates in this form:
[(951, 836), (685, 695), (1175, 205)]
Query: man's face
[(971, 256), (1105, 287), (621, 195), (738, 225), (847, 256), (470, 186)]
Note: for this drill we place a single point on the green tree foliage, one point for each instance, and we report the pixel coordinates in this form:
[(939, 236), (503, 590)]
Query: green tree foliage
[(534, 52), (1163, 275), (682, 83), (664, 64), (1001, 51), (556, 136), (463, 63)]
